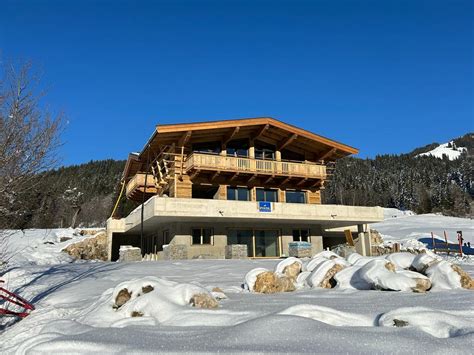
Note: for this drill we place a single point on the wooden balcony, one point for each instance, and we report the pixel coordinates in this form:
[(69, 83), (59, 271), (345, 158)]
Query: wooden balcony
[(136, 187), (211, 162)]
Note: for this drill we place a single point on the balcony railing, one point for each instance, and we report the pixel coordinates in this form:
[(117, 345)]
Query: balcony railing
[(202, 161), (137, 185)]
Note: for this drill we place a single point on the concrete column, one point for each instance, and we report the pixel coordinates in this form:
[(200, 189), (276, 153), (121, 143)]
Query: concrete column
[(252, 149), (360, 245), (278, 155), (317, 244)]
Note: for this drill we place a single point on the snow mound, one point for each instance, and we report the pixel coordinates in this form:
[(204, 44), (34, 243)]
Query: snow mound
[(286, 262), (329, 316), (151, 301), (447, 149), (440, 324)]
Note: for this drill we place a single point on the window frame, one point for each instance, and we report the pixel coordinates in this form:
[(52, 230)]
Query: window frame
[(265, 190), (236, 193), (304, 194), (201, 229), (299, 238)]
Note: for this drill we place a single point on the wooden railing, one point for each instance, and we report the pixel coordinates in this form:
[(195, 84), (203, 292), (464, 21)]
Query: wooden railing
[(213, 162), (137, 183)]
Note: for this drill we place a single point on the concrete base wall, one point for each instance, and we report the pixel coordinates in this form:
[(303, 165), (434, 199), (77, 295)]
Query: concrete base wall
[(170, 220)]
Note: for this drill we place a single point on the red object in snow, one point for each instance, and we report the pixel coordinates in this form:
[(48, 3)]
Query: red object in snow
[(15, 299)]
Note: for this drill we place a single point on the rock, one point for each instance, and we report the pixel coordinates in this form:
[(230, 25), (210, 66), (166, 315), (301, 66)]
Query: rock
[(292, 271), (122, 297), (466, 280), (269, 282), (148, 288), (390, 266), (422, 285), (422, 262), (64, 239), (203, 300), (137, 314), (400, 323), (128, 253), (375, 237), (218, 294), (328, 281), (93, 248)]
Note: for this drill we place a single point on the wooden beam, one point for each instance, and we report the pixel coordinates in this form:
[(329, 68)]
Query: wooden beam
[(215, 175), (253, 177), (234, 177), (327, 154), (194, 174), (269, 179), (301, 182), (185, 138), (230, 135), (319, 183), (287, 141), (261, 131), (286, 181)]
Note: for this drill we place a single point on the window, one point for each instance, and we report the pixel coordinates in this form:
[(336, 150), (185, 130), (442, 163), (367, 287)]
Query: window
[(264, 151), (207, 147), (301, 235), (268, 195), (238, 193), (166, 237), (295, 197), (202, 235), (238, 148)]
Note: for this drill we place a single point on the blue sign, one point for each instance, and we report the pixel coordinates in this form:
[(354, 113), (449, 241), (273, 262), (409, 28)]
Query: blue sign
[(264, 206)]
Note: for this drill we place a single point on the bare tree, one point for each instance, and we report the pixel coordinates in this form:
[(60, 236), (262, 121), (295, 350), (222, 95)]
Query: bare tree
[(29, 138)]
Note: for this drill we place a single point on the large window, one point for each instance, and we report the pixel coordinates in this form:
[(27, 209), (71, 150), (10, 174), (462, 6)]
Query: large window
[(202, 235), (207, 147), (268, 195), (264, 151), (238, 193), (241, 237), (238, 148), (300, 235), (295, 197)]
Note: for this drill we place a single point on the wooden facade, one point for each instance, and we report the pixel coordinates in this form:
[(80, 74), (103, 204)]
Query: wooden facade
[(252, 159)]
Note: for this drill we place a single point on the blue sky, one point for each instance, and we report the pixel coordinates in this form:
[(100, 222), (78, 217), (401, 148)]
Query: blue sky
[(383, 76)]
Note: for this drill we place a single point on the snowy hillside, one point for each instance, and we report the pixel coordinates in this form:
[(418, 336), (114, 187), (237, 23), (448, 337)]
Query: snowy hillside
[(448, 149), (76, 304)]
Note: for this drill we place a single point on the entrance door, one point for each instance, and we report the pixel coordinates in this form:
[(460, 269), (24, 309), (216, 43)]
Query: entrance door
[(267, 243), (241, 237)]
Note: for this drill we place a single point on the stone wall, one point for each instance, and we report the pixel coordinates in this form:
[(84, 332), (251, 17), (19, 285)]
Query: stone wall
[(175, 252), (236, 251), (93, 248), (128, 253), (300, 249)]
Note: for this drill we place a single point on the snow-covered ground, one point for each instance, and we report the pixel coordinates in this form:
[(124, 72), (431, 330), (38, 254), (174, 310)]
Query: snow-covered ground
[(74, 314), (447, 149), (402, 226)]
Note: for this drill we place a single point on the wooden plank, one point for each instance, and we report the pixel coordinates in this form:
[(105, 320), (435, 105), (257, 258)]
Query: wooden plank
[(230, 135), (348, 235), (287, 141)]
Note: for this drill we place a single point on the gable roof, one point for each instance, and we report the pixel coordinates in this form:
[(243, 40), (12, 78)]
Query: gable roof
[(265, 128)]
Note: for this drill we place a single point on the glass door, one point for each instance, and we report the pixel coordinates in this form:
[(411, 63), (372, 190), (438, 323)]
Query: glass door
[(267, 243)]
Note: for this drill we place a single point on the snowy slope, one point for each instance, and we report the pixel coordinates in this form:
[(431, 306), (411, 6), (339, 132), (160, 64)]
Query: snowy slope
[(70, 298), (443, 149), (400, 226)]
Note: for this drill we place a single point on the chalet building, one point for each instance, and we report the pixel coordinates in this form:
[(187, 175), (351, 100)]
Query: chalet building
[(254, 181)]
